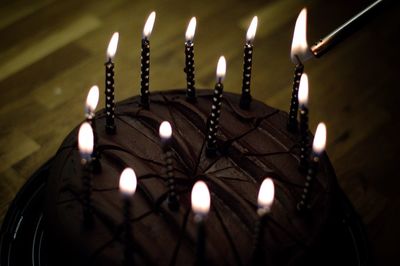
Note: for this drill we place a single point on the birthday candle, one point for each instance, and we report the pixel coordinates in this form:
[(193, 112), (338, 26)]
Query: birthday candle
[(245, 99), (213, 119), (85, 145), (145, 61), (299, 48), (318, 148), (165, 132), (304, 141), (127, 186), (109, 88), (189, 60), (201, 202), (265, 199), (92, 100)]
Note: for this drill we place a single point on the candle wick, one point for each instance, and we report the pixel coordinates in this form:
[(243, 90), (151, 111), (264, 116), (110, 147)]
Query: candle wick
[(199, 218), (262, 211), (89, 114), (299, 63)]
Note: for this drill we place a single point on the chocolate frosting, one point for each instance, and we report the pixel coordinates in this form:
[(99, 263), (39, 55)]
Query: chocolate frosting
[(252, 144)]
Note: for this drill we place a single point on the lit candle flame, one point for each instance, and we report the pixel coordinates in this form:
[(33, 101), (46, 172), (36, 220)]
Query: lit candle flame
[(148, 27), (165, 130), (319, 139), (221, 69), (299, 42), (112, 45), (85, 140), (92, 99), (251, 32), (200, 199), (128, 182), (191, 29), (303, 90), (266, 196)]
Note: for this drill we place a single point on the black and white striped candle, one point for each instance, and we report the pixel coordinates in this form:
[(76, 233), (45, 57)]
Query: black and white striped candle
[(109, 84), (189, 60), (85, 145), (299, 49), (304, 137), (165, 132), (318, 148), (245, 98), (294, 102), (127, 186), (213, 119), (265, 199), (92, 100), (145, 62), (201, 202)]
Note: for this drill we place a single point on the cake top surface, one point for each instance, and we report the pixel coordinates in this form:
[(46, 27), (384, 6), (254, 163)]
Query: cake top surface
[(252, 145)]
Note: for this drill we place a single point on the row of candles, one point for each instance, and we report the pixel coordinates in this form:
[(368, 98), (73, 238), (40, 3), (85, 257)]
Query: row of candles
[(87, 139), (299, 50), (189, 68)]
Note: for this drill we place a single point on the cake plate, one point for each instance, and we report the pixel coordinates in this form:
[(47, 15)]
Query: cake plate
[(23, 240)]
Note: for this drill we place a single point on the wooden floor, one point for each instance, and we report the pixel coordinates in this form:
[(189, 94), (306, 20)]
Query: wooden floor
[(52, 51)]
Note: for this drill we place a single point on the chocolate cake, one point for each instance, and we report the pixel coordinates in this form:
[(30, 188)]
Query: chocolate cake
[(252, 144)]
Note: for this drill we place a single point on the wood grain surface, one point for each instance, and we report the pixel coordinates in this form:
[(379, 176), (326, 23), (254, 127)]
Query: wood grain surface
[(52, 51)]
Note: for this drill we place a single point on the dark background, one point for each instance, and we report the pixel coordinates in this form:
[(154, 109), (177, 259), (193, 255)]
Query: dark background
[(52, 51)]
